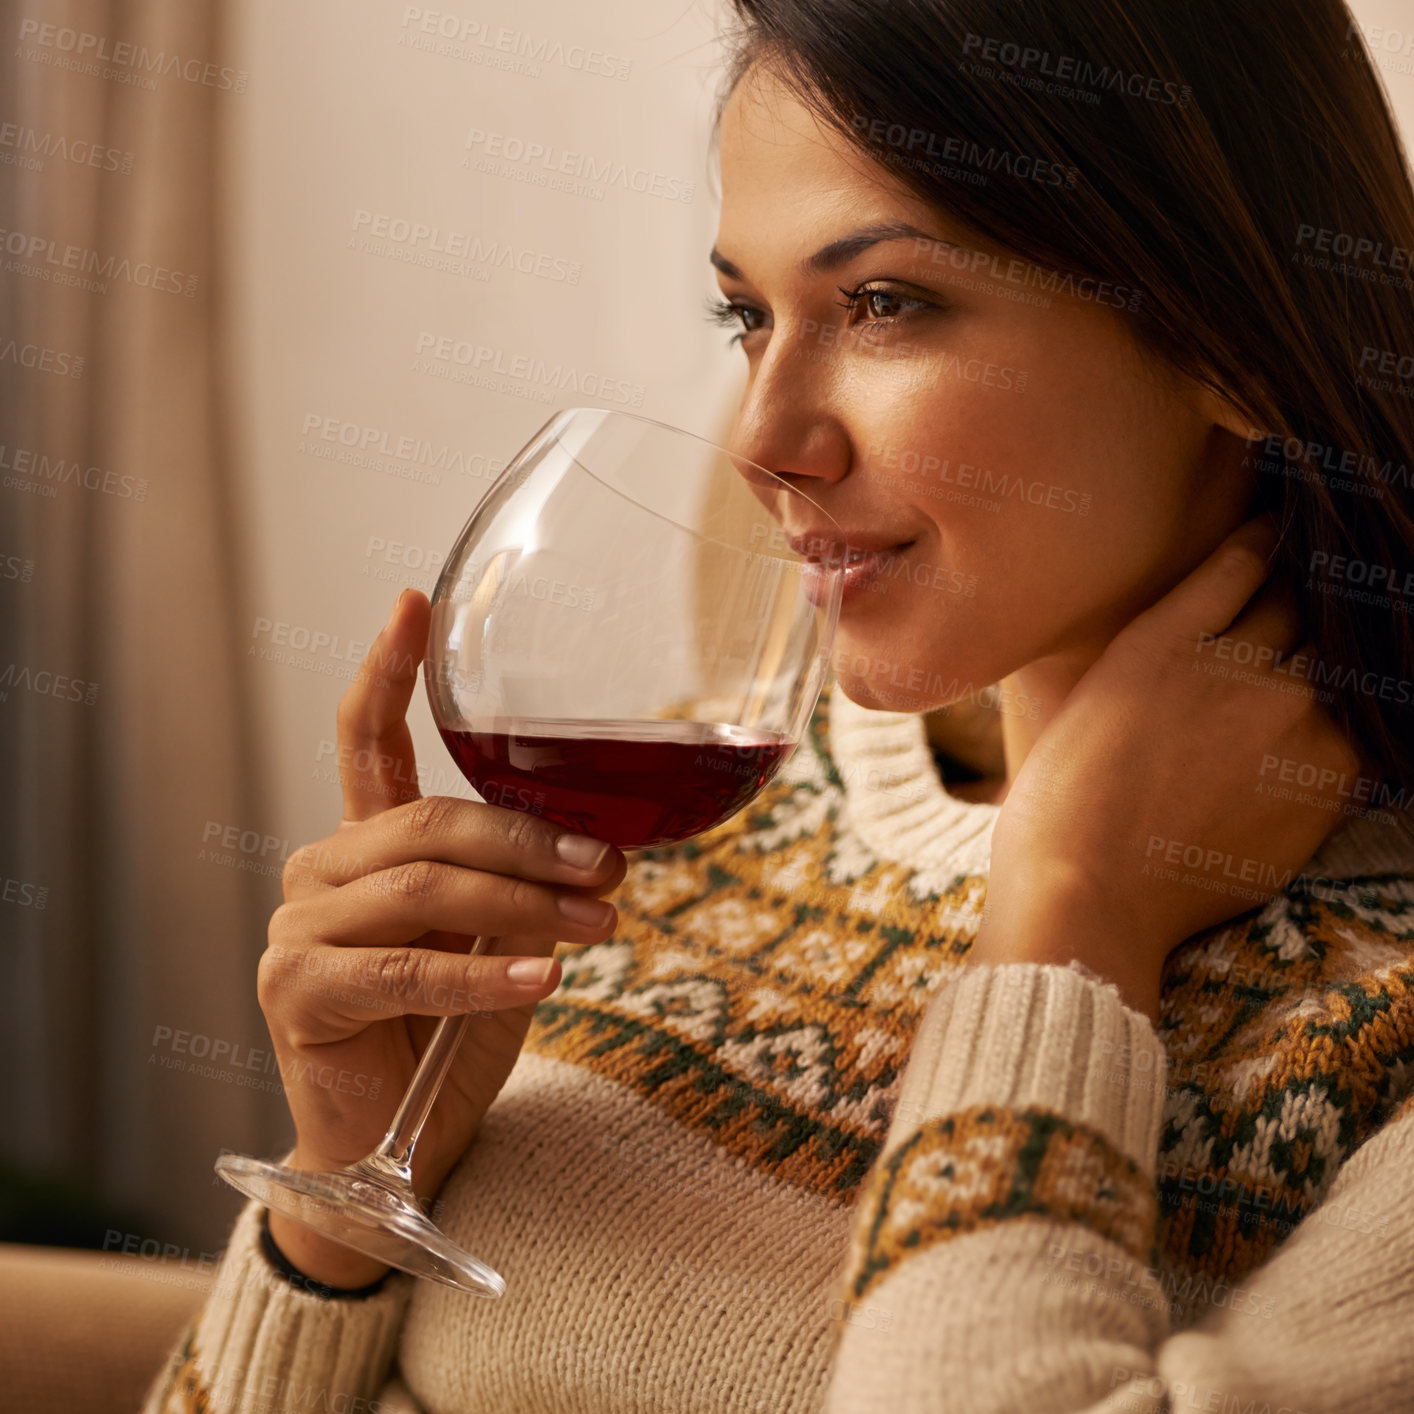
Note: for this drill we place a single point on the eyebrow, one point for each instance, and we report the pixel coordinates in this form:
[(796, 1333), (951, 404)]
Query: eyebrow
[(842, 251)]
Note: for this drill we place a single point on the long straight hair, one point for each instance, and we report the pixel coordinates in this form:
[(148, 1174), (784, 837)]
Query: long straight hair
[(1239, 165)]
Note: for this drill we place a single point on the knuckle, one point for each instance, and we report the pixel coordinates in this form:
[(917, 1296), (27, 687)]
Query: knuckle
[(418, 878), (1242, 562), (348, 714), (300, 867), (525, 897), (394, 972), (280, 964), (522, 831), (286, 927), (431, 816)]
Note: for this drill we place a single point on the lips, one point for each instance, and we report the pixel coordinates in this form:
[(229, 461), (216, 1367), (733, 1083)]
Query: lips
[(843, 547), (854, 568)]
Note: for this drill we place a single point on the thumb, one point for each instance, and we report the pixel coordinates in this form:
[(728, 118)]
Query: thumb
[(377, 768)]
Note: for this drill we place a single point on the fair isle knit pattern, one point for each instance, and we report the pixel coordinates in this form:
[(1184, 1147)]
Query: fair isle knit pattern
[(762, 997), (768, 976)]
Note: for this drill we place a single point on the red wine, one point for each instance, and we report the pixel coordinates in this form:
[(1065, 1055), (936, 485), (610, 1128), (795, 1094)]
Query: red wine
[(635, 784)]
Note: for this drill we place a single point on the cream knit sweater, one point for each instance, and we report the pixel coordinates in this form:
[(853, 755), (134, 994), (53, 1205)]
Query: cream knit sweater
[(774, 1147)]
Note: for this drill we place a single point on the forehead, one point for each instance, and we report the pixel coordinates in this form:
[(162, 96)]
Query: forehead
[(782, 166)]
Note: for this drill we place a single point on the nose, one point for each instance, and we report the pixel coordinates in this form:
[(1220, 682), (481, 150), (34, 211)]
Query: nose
[(785, 422)]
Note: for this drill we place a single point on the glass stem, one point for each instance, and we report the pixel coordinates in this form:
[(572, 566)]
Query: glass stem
[(392, 1159)]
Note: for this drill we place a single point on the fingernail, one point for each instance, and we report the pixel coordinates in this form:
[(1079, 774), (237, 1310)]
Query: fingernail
[(593, 912), (581, 851), (529, 971), (397, 604)]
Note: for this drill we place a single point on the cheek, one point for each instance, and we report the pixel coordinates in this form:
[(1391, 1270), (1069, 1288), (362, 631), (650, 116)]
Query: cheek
[(1044, 511)]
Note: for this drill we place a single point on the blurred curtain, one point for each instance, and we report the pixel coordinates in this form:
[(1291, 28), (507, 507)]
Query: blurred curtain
[(123, 729)]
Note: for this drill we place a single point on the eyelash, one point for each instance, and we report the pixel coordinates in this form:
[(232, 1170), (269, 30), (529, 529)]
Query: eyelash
[(852, 298), (726, 312)]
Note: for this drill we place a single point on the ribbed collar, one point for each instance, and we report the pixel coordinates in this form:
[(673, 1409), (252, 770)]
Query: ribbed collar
[(895, 796), (900, 809)]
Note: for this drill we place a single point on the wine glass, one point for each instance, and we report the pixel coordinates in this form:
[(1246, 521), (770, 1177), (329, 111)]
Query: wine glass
[(628, 638)]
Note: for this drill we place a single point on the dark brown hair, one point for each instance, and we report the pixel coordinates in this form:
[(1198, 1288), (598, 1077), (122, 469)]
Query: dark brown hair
[(1237, 163)]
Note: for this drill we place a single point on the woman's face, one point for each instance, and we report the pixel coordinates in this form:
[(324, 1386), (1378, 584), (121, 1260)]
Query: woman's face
[(1048, 479)]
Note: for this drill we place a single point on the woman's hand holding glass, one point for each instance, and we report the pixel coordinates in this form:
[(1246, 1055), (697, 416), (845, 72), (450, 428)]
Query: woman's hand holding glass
[(369, 947)]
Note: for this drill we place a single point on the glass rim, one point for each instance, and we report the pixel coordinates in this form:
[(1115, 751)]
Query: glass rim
[(706, 441)]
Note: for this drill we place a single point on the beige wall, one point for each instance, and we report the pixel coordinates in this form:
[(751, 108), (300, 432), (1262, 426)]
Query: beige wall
[(346, 115)]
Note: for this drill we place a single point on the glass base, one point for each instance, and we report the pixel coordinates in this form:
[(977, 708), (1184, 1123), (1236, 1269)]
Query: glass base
[(373, 1216)]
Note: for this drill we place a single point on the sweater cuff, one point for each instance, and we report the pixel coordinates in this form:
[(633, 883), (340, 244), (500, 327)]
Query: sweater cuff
[(1041, 1037), (1031, 1093), (302, 1281), (258, 1336)]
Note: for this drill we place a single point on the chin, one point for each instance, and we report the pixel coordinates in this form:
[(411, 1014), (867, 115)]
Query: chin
[(882, 695), (894, 682)]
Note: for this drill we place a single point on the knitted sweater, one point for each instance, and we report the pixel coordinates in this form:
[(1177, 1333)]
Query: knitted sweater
[(774, 1147)]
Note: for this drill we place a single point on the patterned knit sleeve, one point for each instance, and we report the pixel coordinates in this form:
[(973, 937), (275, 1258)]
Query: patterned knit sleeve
[(1003, 1252), (261, 1344)]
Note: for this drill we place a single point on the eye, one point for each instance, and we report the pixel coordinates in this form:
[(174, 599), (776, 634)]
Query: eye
[(883, 305), (728, 313)]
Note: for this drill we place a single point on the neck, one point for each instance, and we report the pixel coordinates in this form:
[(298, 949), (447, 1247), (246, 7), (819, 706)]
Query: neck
[(994, 742), (1032, 696)]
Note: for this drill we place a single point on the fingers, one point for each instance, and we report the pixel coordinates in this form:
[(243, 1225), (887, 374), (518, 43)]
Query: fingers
[(1271, 618), (467, 833), (1207, 600), (377, 766), (356, 986), (398, 905)]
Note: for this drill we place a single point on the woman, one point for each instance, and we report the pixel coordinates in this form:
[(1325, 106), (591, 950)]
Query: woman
[(1049, 310)]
